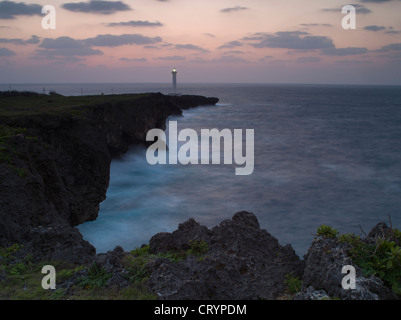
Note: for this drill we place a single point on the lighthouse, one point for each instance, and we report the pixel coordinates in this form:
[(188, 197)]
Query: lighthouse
[(174, 72), (174, 93)]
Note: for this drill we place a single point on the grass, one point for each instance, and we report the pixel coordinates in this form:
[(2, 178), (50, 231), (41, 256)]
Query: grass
[(14, 104), (21, 278), (8, 151), (293, 284)]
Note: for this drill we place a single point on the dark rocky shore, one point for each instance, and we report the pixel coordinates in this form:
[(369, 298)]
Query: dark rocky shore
[(59, 174), (61, 165)]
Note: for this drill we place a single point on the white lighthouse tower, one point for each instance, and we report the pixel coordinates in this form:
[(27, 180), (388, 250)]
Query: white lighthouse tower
[(174, 72)]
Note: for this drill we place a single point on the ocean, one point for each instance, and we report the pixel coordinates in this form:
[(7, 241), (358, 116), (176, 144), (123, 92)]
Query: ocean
[(324, 154)]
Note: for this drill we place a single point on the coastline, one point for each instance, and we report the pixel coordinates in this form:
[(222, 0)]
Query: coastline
[(55, 172)]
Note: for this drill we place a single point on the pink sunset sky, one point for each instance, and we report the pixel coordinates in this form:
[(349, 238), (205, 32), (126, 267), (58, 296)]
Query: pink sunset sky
[(252, 41)]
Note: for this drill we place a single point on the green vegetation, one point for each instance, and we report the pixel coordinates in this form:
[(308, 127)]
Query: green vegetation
[(326, 232), (21, 277), (8, 151), (96, 277), (13, 103), (292, 283), (381, 258), (198, 248)]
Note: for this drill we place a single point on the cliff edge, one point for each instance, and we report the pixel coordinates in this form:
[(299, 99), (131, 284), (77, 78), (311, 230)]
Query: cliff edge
[(55, 155)]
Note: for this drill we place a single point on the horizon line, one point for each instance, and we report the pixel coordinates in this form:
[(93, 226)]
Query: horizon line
[(203, 83)]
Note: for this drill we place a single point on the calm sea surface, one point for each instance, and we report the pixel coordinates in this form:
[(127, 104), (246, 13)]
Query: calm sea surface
[(323, 155)]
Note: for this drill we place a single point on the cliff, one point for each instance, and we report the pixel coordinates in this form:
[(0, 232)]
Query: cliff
[(54, 172), (55, 156)]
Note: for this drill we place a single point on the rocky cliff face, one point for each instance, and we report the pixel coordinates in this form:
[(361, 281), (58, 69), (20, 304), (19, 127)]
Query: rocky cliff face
[(241, 261), (60, 169)]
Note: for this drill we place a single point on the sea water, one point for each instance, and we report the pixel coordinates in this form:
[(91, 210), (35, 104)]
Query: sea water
[(323, 155)]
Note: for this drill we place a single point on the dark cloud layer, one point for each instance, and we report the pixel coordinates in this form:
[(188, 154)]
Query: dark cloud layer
[(4, 52), (359, 8), (190, 47), (109, 40), (374, 28), (344, 51), (33, 40), (97, 7), (234, 9), (65, 46), (391, 47), (231, 45), (291, 40), (68, 47), (9, 9), (136, 24)]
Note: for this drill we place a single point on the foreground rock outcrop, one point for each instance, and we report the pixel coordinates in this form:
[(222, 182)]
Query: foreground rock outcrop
[(237, 260), (242, 261), (55, 167)]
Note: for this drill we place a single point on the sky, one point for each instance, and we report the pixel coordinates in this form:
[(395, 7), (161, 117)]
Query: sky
[(208, 41)]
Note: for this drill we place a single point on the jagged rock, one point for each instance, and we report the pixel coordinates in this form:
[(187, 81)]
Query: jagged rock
[(179, 240), (56, 242), (310, 293), (112, 260), (242, 262)]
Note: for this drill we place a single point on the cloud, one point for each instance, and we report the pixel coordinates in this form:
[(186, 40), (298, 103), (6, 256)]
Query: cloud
[(171, 58), (109, 40), (69, 47), (374, 28), (9, 9), (235, 9), (136, 24), (190, 47), (12, 41), (230, 45), (32, 40), (61, 43), (390, 47), (344, 51), (65, 46), (235, 52), (222, 59), (291, 40), (211, 35), (134, 59), (4, 52), (97, 7), (359, 8), (316, 24), (229, 59), (308, 59), (353, 61), (376, 1)]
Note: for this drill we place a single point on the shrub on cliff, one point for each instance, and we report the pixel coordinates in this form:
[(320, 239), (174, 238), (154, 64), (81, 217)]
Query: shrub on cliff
[(379, 254), (381, 257)]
